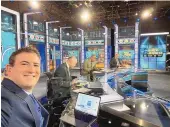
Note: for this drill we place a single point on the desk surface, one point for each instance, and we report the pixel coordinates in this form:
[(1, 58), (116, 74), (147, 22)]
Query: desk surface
[(143, 112)]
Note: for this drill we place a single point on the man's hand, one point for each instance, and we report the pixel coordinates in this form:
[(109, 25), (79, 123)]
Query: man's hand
[(74, 81)]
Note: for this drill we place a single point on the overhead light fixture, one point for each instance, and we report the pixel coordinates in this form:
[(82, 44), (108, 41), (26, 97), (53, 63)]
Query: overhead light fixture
[(85, 16), (34, 4), (150, 34), (147, 13), (136, 14), (67, 34)]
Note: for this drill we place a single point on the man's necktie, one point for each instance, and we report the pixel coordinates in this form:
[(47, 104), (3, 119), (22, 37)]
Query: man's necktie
[(38, 109)]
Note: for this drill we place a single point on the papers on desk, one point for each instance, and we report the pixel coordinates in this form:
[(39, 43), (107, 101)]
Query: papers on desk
[(82, 90), (111, 98)]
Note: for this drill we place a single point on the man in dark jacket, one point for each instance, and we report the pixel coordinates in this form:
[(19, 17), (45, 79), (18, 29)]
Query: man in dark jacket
[(19, 108), (114, 63), (64, 69)]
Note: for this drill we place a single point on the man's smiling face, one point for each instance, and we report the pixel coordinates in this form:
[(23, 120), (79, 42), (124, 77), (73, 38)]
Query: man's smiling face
[(26, 70)]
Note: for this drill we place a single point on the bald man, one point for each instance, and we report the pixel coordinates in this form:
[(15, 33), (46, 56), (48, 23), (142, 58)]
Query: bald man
[(64, 69)]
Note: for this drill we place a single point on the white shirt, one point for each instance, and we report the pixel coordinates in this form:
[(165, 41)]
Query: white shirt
[(27, 92), (68, 69)]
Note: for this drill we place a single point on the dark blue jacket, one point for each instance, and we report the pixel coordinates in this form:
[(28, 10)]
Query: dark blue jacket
[(17, 108)]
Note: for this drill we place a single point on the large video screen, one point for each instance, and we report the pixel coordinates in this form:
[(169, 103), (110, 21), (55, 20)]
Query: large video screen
[(153, 52)]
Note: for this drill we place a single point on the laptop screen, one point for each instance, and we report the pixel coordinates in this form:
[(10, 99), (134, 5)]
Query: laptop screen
[(87, 104)]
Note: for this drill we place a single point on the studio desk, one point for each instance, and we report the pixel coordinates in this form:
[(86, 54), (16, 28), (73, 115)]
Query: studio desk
[(136, 111)]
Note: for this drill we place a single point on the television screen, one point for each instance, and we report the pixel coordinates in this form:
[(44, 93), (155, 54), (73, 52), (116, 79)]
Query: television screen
[(153, 48)]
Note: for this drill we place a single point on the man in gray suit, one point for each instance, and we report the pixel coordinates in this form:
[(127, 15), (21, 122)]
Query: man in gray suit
[(64, 69), (19, 108)]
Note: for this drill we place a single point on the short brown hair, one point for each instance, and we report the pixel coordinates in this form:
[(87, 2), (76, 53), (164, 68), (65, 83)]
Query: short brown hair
[(23, 50)]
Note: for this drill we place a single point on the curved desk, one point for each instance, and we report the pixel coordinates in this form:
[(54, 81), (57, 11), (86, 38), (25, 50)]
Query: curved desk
[(135, 111)]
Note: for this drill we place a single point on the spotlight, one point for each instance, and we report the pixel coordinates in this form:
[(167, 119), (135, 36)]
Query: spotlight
[(136, 14), (34, 4), (67, 34), (147, 13), (85, 16)]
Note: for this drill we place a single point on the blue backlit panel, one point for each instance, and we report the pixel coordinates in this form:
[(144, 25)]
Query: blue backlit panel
[(153, 52)]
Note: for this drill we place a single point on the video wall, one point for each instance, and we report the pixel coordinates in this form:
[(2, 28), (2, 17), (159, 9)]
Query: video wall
[(153, 52), (71, 51), (126, 52), (95, 47), (8, 37)]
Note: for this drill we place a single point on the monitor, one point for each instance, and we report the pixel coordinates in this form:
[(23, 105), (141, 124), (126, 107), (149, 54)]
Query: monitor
[(88, 104)]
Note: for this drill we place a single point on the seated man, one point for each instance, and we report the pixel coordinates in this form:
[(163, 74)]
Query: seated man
[(63, 71), (89, 66), (115, 63)]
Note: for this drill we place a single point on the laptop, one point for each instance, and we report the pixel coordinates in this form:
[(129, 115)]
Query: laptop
[(86, 109)]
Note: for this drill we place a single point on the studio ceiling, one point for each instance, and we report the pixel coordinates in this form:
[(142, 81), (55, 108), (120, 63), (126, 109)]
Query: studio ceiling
[(102, 12)]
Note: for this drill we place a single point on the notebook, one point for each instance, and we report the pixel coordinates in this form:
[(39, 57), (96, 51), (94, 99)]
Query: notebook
[(86, 108)]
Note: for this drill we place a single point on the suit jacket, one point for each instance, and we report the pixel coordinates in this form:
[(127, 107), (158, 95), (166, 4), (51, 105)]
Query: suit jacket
[(88, 66), (63, 71), (17, 107)]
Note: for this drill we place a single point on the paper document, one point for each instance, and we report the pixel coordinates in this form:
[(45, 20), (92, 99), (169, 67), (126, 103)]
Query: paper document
[(82, 90), (110, 98)]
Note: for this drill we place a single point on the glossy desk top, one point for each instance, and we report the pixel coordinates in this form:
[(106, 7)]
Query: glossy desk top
[(143, 112)]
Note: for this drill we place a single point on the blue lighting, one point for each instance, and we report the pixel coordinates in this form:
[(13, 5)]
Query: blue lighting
[(113, 22), (155, 45), (155, 18), (138, 20)]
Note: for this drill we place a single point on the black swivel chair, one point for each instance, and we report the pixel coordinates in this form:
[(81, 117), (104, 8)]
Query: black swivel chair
[(58, 94)]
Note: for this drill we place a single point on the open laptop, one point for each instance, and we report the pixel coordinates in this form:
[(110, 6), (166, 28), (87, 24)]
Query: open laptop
[(86, 109)]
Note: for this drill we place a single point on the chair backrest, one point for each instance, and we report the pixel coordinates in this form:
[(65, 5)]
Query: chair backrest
[(49, 74), (57, 87)]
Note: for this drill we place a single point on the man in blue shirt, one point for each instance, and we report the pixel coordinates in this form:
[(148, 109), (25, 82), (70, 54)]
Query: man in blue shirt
[(19, 108)]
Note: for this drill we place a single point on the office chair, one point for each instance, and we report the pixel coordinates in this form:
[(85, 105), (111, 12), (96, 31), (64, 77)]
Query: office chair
[(58, 95)]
